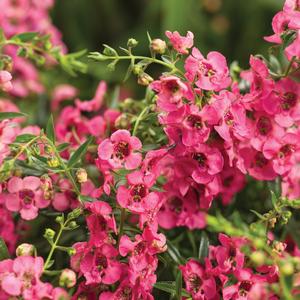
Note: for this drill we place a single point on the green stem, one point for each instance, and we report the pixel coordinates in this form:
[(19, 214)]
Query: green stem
[(173, 68), (53, 246), (138, 120), (122, 221), (287, 71), (66, 169)]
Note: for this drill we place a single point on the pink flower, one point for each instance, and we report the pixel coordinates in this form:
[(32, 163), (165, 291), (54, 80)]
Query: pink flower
[(7, 227), (100, 222), (62, 92), (21, 277), (137, 197), (208, 163), (200, 285), (257, 165), (282, 103), (149, 243), (181, 43), (280, 151), (119, 150), (25, 196), (99, 265), (172, 93), (209, 74), (96, 102), (5, 81), (181, 210)]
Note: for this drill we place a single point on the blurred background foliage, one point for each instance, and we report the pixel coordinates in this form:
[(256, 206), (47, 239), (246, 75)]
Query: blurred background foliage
[(233, 27)]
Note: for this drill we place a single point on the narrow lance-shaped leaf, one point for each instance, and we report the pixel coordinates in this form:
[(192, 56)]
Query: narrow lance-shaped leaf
[(24, 138), (25, 37), (203, 246), (169, 287), (10, 115), (79, 153), (3, 250), (50, 130), (179, 285)]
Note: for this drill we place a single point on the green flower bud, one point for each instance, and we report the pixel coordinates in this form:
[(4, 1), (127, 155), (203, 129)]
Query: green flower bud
[(258, 257), (131, 43), (72, 225), (49, 234), (144, 79), (25, 250), (67, 278), (287, 269)]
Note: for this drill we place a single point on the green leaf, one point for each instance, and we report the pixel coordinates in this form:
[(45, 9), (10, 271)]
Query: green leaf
[(179, 285), (24, 138), (288, 37), (109, 51), (25, 37), (175, 254), (50, 133), (170, 287), (10, 115), (3, 250), (79, 153), (260, 216), (84, 198), (203, 246), (62, 147)]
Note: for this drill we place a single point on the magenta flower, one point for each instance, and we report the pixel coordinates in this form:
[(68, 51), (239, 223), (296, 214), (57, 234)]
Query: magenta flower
[(137, 197), (119, 150), (208, 163), (172, 93), (200, 285), (100, 221), (209, 73), (98, 265), (96, 102), (181, 43), (25, 196)]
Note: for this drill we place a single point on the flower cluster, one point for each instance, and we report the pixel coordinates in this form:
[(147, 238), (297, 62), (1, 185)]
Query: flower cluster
[(225, 274), (130, 182)]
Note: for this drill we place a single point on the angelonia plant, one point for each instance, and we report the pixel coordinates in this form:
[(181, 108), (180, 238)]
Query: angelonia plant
[(190, 193)]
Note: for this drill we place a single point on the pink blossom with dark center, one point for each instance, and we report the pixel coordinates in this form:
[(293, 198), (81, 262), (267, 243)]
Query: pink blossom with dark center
[(120, 150)]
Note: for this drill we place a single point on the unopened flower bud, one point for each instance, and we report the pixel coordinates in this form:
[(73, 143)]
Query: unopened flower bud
[(59, 219), (25, 250), (144, 79), (67, 278), (49, 234), (132, 43), (81, 175), (53, 162), (272, 222), (137, 69), (259, 243), (258, 257), (72, 225), (46, 183), (158, 46), (287, 268), (122, 122), (279, 246), (71, 251), (60, 294)]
